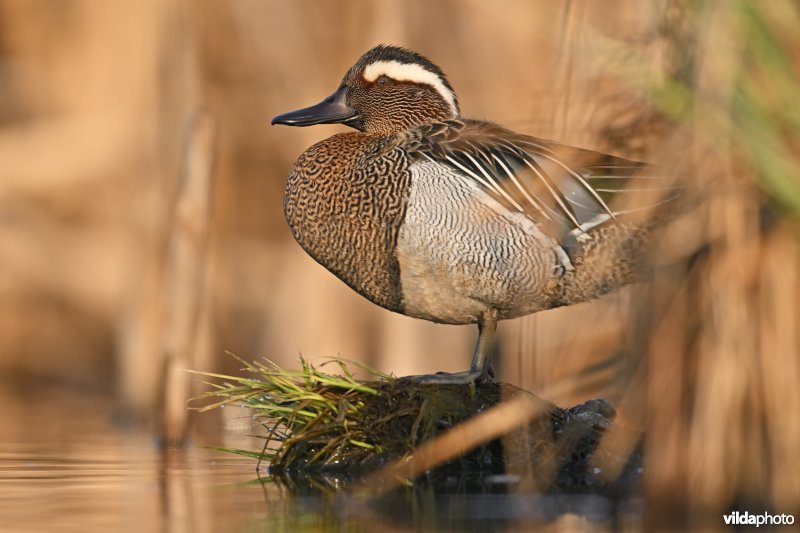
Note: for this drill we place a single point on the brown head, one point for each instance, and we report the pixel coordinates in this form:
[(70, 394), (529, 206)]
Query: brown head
[(388, 90)]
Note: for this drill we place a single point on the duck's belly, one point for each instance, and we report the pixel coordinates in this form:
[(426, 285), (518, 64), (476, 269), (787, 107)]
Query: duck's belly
[(460, 252)]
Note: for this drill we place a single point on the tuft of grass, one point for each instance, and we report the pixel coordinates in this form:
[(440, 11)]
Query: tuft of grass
[(312, 417)]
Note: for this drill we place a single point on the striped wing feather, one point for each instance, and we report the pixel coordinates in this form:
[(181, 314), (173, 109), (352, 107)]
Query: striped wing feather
[(562, 188)]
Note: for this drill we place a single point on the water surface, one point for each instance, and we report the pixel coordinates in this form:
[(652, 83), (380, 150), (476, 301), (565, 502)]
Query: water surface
[(66, 465)]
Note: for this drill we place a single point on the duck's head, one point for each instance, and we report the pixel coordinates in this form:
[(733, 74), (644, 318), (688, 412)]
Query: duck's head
[(389, 89)]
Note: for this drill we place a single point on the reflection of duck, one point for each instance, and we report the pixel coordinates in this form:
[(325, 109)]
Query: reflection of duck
[(453, 220)]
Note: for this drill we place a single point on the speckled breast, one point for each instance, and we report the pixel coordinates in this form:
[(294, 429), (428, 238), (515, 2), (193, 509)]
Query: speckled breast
[(345, 200)]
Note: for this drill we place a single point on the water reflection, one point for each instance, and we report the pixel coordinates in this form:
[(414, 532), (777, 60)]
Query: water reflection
[(451, 503), (65, 466)]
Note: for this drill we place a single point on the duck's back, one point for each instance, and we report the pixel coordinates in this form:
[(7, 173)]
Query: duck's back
[(421, 237)]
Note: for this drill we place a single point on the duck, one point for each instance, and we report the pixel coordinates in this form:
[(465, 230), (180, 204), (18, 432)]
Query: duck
[(456, 220)]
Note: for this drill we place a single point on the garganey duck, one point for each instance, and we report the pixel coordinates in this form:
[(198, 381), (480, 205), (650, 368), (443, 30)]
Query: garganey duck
[(453, 220)]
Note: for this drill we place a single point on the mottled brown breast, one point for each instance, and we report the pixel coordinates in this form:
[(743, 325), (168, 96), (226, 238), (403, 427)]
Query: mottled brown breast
[(345, 201)]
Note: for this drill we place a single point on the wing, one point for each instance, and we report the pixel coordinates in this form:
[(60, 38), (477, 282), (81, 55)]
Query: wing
[(565, 190)]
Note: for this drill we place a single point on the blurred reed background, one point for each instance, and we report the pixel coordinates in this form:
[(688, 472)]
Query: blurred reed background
[(141, 223)]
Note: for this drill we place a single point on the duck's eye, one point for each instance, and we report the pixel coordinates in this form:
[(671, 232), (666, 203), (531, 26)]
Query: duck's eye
[(383, 80)]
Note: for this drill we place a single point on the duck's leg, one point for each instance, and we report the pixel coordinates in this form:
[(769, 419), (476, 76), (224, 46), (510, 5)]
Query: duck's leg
[(479, 370)]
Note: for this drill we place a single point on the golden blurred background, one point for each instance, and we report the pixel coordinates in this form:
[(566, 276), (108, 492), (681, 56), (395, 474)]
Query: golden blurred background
[(141, 215), (98, 103)]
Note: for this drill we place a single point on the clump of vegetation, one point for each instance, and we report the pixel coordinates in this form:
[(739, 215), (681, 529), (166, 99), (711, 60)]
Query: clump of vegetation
[(321, 424), (317, 420)]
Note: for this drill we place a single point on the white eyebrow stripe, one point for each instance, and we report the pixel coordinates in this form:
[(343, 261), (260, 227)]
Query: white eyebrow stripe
[(413, 73)]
